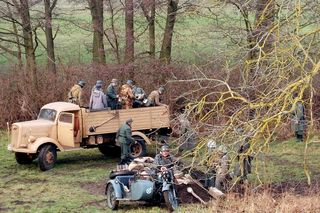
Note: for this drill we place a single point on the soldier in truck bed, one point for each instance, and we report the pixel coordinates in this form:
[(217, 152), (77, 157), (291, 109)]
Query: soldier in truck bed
[(154, 97), (75, 93)]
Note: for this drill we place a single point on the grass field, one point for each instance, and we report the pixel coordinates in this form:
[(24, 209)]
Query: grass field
[(77, 182)]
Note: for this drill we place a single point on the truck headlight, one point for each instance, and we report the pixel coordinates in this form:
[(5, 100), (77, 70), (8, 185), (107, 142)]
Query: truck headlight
[(31, 139)]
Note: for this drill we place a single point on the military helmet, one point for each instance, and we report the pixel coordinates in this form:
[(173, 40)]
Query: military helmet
[(165, 148), (130, 82), (161, 89), (99, 82), (211, 145), (81, 83), (129, 120)]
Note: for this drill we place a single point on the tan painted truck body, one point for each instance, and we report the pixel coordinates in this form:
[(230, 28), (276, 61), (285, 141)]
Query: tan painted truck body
[(66, 126)]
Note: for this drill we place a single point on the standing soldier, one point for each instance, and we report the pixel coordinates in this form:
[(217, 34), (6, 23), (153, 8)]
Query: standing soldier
[(112, 97), (154, 97), (244, 164), (124, 137), (98, 99), (126, 95), (218, 163), (139, 95), (298, 123), (75, 93)]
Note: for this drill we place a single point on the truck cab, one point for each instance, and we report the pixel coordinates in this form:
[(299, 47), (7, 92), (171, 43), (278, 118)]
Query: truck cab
[(57, 128)]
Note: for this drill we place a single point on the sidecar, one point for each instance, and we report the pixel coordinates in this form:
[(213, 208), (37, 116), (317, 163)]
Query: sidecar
[(125, 186)]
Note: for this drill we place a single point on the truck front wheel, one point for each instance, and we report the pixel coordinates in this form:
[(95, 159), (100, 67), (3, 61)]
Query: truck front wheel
[(47, 157), (23, 158), (138, 149)]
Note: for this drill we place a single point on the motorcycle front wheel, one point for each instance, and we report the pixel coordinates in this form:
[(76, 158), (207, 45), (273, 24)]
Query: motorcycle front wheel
[(112, 203), (170, 200)]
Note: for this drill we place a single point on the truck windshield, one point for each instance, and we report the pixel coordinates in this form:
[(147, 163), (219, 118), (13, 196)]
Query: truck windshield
[(47, 114)]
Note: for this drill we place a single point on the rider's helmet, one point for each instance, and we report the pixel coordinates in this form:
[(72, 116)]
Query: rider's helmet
[(165, 148)]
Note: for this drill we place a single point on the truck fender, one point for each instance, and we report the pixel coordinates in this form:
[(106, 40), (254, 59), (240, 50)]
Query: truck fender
[(42, 140), (145, 138), (117, 188)]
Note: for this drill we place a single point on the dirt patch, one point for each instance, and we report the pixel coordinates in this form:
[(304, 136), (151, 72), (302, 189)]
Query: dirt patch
[(185, 197), (20, 202), (4, 209), (299, 188), (95, 188)]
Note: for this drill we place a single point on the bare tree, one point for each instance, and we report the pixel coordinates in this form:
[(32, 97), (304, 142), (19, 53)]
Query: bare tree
[(112, 37), (48, 8), (149, 10), (23, 9), (96, 9), (165, 53)]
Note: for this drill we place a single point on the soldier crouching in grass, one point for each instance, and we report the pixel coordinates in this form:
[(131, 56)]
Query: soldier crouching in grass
[(124, 137)]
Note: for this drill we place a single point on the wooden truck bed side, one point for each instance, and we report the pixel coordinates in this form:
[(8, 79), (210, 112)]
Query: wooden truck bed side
[(144, 118)]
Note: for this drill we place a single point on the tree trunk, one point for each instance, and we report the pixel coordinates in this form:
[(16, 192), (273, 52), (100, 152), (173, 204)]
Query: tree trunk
[(51, 63), (151, 24), (96, 9), (152, 29), (28, 41), (129, 50), (165, 53)]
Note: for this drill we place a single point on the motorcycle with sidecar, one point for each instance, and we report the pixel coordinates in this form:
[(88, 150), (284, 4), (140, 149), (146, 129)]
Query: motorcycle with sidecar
[(155, 188)]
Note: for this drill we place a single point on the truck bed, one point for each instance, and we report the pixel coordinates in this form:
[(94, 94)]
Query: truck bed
[(145, 118)]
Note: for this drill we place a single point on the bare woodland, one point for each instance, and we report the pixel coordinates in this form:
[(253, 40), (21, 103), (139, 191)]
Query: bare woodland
[(262, 51)]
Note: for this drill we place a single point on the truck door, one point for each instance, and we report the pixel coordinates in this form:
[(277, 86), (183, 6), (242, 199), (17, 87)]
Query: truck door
[(66, 129)]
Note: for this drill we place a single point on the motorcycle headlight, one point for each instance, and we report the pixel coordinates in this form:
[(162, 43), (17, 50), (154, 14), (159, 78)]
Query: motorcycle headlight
[(31, 139)]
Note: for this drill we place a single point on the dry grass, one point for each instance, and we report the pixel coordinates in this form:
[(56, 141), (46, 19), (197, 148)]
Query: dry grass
[(266, 202)]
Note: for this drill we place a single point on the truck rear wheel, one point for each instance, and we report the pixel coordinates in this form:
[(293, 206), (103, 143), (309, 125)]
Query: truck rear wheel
[(139, 148), (23, 158), (47, 157)]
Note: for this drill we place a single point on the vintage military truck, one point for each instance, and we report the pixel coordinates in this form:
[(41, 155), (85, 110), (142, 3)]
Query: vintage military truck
[(63, 126)]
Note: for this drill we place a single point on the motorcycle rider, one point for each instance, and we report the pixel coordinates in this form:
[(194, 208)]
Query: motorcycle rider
[(164, 160)]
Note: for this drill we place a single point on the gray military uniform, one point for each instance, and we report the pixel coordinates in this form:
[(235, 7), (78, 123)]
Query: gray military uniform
[(124, 136)]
